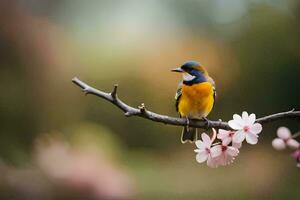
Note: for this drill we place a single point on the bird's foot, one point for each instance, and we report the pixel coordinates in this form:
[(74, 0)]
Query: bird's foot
[(207, 124), (187, 124)]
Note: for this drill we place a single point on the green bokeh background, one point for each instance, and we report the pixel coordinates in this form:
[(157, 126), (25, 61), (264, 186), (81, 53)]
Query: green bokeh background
[(251, 49)]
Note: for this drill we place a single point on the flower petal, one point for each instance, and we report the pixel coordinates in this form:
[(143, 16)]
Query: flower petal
[(232, 151), (256, 128), (239, 137), (251, 119), (235, 125), (206, 140), (296, 155), (214, 135), (198, 150), (251, 138), (222, 159), (222, 134), (226, 141), (239, 120), (293, 144), (237, 145), (212, 162), (216, 151), (245, 116), (284, 133), (200, 144), (201, 157), (278, 144)]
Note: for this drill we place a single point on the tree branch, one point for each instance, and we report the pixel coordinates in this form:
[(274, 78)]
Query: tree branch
[(141, 111)]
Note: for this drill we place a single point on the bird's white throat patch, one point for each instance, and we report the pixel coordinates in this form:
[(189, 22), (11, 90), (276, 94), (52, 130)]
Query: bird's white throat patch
[(188, 77)]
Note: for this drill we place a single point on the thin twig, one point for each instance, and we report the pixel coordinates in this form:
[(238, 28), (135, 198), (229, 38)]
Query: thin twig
[(295, 135), (141, 111)]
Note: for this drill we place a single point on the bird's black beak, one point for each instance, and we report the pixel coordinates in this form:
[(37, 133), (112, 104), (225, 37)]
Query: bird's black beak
[(177, 70)]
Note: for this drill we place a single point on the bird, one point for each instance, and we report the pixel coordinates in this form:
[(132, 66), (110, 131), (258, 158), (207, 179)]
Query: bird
[(195, 96)]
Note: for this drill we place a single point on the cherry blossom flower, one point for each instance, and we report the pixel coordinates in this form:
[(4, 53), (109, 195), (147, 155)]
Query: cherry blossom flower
[(246, 128), (226, 137), (296, 156), (224, 154), (284, 139), (215, 154), (205, 151)]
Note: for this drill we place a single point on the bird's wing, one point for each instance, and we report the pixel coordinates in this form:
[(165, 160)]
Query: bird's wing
[(178, 95), (214, 88)]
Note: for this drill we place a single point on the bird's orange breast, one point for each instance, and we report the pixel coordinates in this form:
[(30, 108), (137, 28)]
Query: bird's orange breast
[(197, 100)]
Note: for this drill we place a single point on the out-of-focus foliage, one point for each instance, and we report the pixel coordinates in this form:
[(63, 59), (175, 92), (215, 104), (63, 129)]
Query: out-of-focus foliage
[(251, 48)]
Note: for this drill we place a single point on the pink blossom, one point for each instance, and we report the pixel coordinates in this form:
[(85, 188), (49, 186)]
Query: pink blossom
[(284, 133), (205, 152), (284, 139), (292, 143), (296, 156), (246, 128), (278, 144), (226, 137), (224, 155)]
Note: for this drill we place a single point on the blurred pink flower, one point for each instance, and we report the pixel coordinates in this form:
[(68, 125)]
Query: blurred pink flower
[(246, 128), (83, 170), (292, 143), (284, 139), (284, 133), (278, 144), (296, 156)]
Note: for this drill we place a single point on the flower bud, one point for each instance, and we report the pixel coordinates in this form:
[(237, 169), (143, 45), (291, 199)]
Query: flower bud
[(293, 144), (283, 133), (278, 144), (296, 156)]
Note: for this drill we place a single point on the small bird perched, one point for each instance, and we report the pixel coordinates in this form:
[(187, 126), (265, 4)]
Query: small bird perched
[(195, 96)]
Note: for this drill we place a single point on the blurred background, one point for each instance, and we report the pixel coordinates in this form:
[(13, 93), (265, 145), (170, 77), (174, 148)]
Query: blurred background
[(56, 143)]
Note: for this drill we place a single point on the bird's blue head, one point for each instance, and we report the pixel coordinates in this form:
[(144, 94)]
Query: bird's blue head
[(192, 72)]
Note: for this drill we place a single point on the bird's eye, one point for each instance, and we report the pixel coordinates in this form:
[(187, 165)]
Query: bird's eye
[(191, 70)]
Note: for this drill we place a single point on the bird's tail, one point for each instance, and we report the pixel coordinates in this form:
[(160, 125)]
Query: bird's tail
[(189, 134)]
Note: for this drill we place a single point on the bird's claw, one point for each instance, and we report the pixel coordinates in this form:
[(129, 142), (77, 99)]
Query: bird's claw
[(206, 122), (187, 123)]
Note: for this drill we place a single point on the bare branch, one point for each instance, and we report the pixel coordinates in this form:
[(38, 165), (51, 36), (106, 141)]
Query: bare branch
[(114, 92), (141, 111)]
